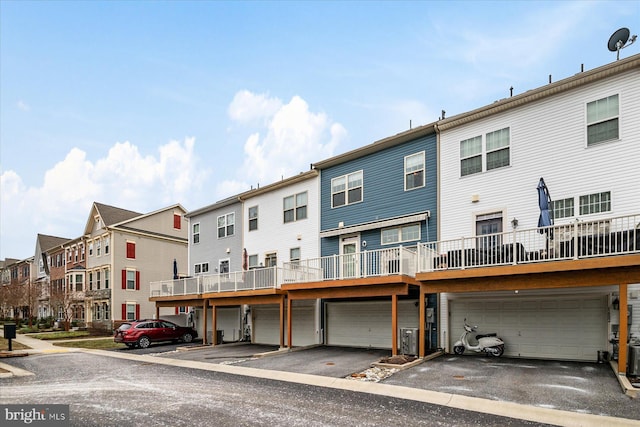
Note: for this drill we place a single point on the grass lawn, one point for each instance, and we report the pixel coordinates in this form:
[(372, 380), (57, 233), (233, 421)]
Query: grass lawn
[(60, 335), (101, 344), (4, 345)]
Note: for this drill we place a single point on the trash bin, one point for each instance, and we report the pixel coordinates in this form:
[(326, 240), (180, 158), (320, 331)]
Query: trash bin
[(634, 360), (219, 336)]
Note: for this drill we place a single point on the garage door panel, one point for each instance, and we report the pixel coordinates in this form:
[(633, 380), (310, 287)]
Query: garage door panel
[(366, 323), (572, 328)]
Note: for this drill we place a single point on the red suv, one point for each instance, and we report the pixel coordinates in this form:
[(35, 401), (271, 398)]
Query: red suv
[(142, 333)]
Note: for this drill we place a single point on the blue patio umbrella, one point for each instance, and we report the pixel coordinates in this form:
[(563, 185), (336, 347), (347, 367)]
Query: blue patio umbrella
[(175, 269), (546, 213)]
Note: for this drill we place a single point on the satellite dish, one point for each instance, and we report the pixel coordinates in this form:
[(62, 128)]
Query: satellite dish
[(619, 39)]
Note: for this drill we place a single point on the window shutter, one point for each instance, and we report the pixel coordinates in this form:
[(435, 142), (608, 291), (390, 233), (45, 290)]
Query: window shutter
[(137, 311), (177, 311), (124, 279), (131, 250), (124, 311), (137, 280), (176, 221)]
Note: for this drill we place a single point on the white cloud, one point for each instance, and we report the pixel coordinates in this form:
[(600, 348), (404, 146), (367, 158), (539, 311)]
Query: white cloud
[(23, 106), (291, 138), (248, 107), (124, 178)]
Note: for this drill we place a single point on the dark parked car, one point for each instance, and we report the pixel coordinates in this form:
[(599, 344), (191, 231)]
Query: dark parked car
[(142, 333)]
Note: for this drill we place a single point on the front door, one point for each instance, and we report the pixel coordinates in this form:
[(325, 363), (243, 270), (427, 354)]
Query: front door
[(349, 257)]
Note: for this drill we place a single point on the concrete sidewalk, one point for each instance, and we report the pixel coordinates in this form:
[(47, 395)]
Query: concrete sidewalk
[(448, 399)]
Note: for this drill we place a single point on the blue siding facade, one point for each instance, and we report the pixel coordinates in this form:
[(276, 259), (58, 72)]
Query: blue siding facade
[(383, 194)]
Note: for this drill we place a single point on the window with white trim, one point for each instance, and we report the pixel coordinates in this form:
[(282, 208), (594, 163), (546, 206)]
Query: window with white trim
[(226, 224), (131, 312), (404, 233), (595, 203), (196, 232), (495, 150), (347, 189), (563, 208), (201, 268), (90, 248), (253, 218), (271, 259), (414, 171), (98, 247), (295, 207), (294, 256), (131, 279), (602, 120), (106, 245), (253, 261), (106, 278)]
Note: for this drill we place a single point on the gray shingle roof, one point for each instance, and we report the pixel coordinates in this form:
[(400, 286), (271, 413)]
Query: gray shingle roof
[(111, 215)]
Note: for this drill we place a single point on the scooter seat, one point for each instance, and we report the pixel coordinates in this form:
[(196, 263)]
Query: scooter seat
[(494, 334)]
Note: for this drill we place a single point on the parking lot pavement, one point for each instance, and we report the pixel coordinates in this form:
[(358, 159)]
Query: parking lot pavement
[(336, 362), (589, 388)]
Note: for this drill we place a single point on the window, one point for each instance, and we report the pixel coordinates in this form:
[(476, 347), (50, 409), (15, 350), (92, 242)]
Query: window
[(90, 281), (225, 225), (294, 256), (201, 268), (498, 149), (196, 233), (253, 261), (105, 307), (414, 171), (404, 233), (595, 203), (106, 245), (106, 278), (131, 280), (76, 255), (471, 156), (131, 250), (253, 218), (295, 207), (90, 248), (82, 253), (130, 311), (98, 247), (177, 221), (97, 280), (223, 266), (563, 208), (79, 280), (346, 189), (602, 120), (271, 260)]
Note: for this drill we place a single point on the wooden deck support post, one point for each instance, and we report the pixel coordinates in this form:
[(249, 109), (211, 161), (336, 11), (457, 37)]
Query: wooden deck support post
[(289, 322), (394, 325), (214, 325), (622, 344), (282, 322), (205, 307), (157, 311), (422, 330)]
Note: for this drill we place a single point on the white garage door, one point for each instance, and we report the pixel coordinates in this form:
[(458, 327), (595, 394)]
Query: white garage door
[(265, 320), (266, 324), (566, 328), (229, 321), (367, 323)]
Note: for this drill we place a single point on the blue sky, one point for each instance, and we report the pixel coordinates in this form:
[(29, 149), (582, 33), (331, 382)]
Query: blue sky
[(142, 105)]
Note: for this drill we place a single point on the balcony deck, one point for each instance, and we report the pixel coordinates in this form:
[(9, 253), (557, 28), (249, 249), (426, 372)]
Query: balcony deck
[(609, 249)]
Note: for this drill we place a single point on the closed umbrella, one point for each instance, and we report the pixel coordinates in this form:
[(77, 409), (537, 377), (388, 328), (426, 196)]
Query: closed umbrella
[(546, 214), (175, 269)]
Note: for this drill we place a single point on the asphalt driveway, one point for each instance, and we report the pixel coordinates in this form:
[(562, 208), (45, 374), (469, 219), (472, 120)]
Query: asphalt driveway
[(572, 386)]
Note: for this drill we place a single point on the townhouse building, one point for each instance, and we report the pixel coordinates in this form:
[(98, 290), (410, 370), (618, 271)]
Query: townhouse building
[(18, 291), (41, 275), (559, 290), (125, 251)]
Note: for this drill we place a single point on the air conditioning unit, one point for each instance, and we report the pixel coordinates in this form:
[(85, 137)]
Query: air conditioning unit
[(409, 341)]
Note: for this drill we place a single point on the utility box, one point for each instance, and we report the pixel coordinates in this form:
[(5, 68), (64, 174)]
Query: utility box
[(634, 360), (9, 331), (409, 339)]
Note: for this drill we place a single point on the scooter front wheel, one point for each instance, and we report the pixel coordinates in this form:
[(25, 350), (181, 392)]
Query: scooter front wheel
[(459, 349), (499, 349)]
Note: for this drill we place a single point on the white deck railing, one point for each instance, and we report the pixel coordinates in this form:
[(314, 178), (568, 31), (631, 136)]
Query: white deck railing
[(576, 240), (261, 278)]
